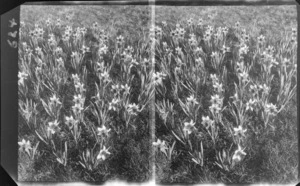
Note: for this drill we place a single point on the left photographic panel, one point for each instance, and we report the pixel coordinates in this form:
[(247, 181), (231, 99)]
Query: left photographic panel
[(83, 93)]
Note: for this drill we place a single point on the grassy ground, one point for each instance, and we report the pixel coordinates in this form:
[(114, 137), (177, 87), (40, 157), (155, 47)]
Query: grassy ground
[(271, 21), (129, 21)]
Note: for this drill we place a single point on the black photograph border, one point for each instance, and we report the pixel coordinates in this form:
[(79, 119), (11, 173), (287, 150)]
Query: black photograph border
[(9, 65)]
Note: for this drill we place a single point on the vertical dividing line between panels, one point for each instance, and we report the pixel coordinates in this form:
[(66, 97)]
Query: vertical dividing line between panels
[(152, 104)]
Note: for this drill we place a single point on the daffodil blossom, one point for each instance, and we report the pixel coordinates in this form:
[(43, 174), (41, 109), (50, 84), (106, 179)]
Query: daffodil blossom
[(225, 49), (70, 121), (55, 100), (120, 40), (199, 61), (28, 51), (237, 25), (103, 50), (77, 108), (285, 62), (238, 131), (238, 154), (74, 54), (270, 50), (53, 126), (235, 97), (216, 100), (178, 50), (95, 25), (244, 76), (78, 99), (193, 41), (273, 62), (243, 50), (215, 108), (200, 22), (181, 32), (261, 39), (58, 22), (157, 143), (60, 62), (22, 76), (250, 104), (58, 51), (129, 50), (24, 45), (12, 23), (158, 77), (100, 66), (246, 37), (126, 88), (225, 30), (105, 76), (85, 49), (192, 100), (75, 78), (218, 87), (105, 38), (25, 145), (264, 88), (165, 45), (214, 78), (190, 21), (103, 130), (271, 109), (172, 33), (103, 154), (83, 30), (116, 88), (113, 104), (214, 54), (133, 108), (188, 127), (38, 51), (79, 87), (52, 41), (158, 31), (254, 89), (207, 36), (161, 145), (134, 62), (294, 31), (207, 122)]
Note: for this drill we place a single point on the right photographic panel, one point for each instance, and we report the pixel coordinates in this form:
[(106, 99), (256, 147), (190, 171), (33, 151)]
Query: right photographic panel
[(226, 102)]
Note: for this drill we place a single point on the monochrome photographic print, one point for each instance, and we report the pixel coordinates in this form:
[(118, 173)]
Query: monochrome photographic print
[(84, 93), (226, 108), (172, 94)]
